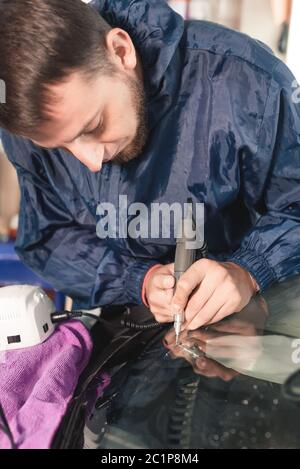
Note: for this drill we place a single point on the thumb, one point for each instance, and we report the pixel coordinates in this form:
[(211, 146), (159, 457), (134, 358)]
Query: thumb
[(187, 284)]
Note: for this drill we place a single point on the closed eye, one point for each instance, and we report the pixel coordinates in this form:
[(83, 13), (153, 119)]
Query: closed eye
[(96, 129)]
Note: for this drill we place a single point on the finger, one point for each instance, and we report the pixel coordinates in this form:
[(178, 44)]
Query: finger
[(163, 314), (224, 311), (220, 305), (214, 279), (170, 268), (209, 310), (163, 317), (187, 284), (160, 299), (200, 297), (163, 281)]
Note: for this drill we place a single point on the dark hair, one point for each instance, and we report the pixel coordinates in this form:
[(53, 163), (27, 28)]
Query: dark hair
[(41, 43)]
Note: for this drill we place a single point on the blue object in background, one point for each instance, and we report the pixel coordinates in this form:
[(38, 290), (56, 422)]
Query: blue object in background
[(14, 272)]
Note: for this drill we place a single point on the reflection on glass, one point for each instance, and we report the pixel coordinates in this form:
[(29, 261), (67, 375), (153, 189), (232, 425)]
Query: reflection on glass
[(219, 388)]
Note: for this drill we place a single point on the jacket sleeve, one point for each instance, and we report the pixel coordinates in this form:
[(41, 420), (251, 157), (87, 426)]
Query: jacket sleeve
[(66, 253), (271, 249)]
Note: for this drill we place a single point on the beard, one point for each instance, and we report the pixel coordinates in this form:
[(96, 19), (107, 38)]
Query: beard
[(135, 148)]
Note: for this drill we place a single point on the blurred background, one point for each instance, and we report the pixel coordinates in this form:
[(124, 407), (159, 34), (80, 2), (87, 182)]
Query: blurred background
[(275, 22)]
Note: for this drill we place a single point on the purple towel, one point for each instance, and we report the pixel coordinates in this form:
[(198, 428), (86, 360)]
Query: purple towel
[(37, 383)]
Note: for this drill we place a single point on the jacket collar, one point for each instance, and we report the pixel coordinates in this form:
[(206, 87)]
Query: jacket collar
[(155, 29)]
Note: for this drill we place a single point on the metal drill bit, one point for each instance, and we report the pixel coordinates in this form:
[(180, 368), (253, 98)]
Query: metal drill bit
[(178, 320)]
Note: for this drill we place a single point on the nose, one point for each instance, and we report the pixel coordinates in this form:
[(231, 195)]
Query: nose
[(91, 155)]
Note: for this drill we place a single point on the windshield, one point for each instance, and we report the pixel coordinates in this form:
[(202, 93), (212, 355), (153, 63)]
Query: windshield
[(221, 387)]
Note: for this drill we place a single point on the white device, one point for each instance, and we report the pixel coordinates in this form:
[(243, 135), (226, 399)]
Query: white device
[(25, 316)]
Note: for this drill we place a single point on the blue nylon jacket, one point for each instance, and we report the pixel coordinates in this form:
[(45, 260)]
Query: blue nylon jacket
[(224, 129)]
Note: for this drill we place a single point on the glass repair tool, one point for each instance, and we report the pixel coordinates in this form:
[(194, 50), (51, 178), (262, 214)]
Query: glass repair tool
[(185, 256)]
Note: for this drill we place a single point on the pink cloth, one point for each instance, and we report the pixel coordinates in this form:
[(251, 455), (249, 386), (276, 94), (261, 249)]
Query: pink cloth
[(37, 384)]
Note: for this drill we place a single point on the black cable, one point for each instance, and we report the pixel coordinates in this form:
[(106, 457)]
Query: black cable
[(140, 327), (6, 429), (60, 316)]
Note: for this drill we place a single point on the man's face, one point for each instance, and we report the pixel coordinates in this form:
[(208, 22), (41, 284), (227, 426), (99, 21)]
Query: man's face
[(97, 121)]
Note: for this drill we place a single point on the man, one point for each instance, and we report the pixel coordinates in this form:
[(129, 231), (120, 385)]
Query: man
[(123, 97)]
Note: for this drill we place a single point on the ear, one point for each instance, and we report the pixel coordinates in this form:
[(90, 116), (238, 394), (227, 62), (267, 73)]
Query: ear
[(121, 49)]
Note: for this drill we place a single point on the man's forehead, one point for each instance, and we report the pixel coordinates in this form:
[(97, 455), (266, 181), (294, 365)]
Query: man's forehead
[(70, 105), (70, 94)]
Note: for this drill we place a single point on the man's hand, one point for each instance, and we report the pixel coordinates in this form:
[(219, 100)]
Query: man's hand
[(208, 291), (159, 289)]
